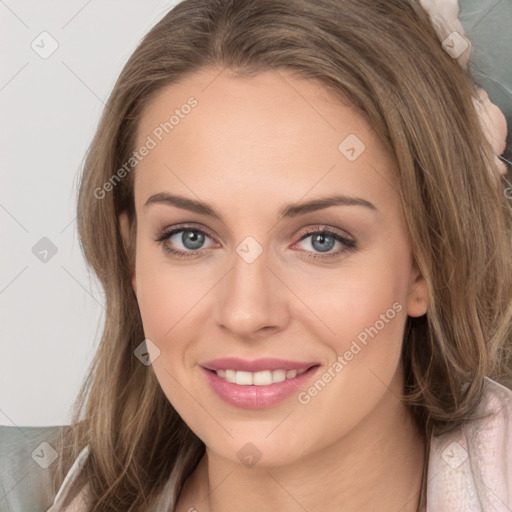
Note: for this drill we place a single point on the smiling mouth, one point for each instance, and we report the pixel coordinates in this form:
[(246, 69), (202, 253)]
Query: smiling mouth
[(257, 384), (261, 378)]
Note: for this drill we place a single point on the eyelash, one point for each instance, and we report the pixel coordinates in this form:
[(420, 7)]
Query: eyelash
[(349, 245)]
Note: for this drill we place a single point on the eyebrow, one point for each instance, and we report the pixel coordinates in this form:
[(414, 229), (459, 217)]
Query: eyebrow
[(288, 211)]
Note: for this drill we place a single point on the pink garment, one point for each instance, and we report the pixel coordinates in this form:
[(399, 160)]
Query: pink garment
[(469, 469)]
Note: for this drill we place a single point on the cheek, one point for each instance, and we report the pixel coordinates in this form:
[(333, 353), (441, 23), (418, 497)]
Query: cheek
[(365, 291), (165, 298), (165, 294), (369, 321), (368, 317)]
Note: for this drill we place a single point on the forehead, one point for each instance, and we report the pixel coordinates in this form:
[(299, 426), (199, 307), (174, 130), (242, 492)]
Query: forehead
[(264, 134)]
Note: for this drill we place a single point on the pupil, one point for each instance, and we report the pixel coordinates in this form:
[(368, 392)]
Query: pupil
[(323, 238), (193, 237)]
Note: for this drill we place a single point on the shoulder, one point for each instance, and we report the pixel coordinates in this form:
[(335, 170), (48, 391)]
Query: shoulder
[(469, 466), (81, 501), (27, 460)]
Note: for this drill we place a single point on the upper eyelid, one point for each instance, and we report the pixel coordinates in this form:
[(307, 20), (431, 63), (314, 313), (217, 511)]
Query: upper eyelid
[(177, 229), (325, 228)]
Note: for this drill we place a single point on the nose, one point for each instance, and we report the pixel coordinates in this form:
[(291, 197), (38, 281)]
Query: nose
[(252, 299)]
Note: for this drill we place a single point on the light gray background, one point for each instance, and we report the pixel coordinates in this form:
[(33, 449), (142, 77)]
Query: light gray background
[(51, 313)]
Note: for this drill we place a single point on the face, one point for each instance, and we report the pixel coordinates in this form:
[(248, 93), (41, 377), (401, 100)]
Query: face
[(257, 277)]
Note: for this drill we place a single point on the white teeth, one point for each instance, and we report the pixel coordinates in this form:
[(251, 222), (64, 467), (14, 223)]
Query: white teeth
[(263, 378), (243, 378), (278, 375)]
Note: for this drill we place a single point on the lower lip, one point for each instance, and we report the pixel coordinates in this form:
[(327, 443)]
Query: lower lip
[(256, 397)]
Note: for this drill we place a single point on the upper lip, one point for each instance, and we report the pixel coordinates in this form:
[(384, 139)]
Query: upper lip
[(257, 365)]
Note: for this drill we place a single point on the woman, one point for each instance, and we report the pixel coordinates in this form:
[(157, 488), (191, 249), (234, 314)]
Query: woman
[(304, 243)]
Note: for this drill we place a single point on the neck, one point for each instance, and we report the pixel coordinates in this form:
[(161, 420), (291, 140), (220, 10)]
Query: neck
[(378, 465)]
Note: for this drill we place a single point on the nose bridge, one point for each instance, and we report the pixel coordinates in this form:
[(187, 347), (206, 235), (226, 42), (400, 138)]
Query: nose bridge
[(251, 296)]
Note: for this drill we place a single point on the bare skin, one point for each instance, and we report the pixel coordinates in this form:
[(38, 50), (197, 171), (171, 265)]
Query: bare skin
[(250, 146)]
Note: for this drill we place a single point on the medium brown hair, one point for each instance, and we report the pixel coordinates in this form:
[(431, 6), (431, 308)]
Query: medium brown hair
[(383, 58)]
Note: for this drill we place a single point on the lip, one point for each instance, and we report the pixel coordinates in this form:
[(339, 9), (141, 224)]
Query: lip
[(256, 397), (258, 365)]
